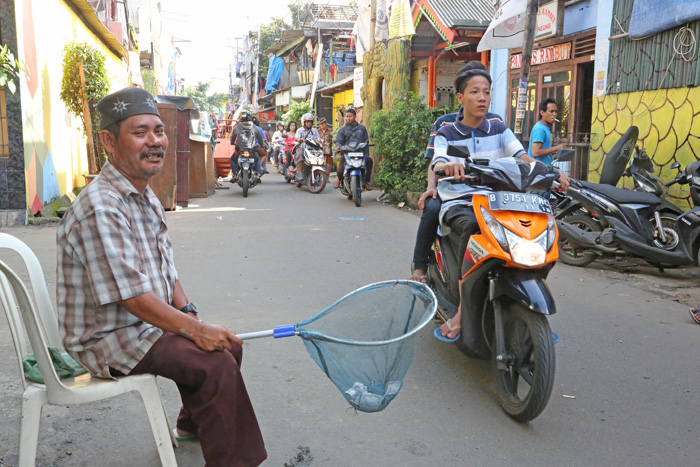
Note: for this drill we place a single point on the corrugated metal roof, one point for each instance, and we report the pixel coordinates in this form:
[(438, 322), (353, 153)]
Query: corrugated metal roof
[(463, 13)]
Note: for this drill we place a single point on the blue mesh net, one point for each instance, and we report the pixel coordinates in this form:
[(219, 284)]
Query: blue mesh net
[(365, 341)]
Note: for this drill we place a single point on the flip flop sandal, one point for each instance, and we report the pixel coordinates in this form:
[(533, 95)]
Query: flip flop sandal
[(438, 333), (187, 437), (694, 314)]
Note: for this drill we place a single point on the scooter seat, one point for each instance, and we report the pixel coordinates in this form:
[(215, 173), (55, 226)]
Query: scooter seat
[(623, 196)]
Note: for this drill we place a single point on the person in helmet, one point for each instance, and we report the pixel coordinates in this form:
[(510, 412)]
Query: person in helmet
[(307, 131), (245, 129), (277, 142)]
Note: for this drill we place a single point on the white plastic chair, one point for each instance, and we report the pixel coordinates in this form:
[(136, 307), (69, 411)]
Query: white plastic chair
[(42, 330)]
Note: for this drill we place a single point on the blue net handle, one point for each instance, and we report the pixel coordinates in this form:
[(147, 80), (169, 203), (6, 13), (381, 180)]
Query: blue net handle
[(288, 330)]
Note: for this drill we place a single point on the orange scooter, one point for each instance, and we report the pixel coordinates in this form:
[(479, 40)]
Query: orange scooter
[(502, 278)]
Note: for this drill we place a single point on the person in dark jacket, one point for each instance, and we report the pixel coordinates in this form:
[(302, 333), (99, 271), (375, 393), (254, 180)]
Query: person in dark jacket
[(353, 132), (245, 130)]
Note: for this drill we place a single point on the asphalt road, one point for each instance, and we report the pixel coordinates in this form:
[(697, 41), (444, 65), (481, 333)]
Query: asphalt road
[(625, 389)]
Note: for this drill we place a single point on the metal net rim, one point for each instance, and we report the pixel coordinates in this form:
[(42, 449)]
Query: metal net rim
[(416, 285)]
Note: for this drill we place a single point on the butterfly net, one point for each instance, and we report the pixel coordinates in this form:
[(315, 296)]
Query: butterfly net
[(365, 341)]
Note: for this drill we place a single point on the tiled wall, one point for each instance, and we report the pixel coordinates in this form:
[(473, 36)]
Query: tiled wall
[(13, 202)]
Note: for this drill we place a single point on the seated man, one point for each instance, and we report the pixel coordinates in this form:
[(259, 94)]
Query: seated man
[(243, 133), (121, 307), (486, 139)]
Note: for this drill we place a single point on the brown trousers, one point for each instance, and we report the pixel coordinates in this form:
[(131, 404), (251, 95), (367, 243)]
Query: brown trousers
[(214, 395)]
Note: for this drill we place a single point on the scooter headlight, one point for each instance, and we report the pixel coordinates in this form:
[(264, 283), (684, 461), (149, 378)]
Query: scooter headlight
[(356, 163), (528, 253), (496, 229)]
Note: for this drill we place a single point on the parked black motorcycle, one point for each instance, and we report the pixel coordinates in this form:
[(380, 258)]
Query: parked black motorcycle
[(504, 295), (619, 223), (355, 169)]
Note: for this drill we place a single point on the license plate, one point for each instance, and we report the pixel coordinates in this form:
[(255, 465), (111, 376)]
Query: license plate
[(356, 154), (521, 202)]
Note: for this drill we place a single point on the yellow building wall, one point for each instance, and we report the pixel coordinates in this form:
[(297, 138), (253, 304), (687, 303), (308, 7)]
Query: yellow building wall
[(341, 101), (669, 130), (55, 150)]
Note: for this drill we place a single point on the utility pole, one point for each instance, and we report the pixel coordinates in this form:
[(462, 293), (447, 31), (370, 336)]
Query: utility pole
[(372, 24), (528, 40), (257, 70), (230, 86)]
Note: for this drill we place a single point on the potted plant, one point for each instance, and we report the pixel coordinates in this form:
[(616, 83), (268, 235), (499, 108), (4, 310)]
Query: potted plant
[(84, 83)]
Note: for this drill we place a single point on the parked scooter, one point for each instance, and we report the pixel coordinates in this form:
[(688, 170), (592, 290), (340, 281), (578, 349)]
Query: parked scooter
[(620, 224), (505, 298), (354, 173), (247, 178), (315, 175)]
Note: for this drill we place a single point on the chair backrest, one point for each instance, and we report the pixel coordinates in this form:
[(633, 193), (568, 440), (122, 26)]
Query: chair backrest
[(38, 283), (14, 296)]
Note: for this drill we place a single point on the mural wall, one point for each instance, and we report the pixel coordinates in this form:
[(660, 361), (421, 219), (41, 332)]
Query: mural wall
[(669, 130), (54, 144)]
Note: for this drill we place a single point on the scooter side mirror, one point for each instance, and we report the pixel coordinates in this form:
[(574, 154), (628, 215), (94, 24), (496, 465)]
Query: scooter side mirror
[(675, 165), (458, 151)]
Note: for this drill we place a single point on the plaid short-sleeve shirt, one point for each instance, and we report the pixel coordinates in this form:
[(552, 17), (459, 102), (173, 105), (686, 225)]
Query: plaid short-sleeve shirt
[(113, 245)]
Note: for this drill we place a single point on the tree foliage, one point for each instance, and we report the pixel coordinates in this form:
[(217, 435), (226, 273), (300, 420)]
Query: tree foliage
[(149, 81), (96, 79), (205, 100), (296, 110), (400, 136), (9, 69)]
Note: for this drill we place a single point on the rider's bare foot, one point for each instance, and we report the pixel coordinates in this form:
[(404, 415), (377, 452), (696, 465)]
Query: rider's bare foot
[(419, 276), (337, 183), (452, 327)]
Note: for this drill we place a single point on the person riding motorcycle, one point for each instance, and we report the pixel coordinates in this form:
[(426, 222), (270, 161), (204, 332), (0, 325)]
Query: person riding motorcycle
[(307, 131), (485, 139), (277, 144), (245, 126), (353, 132)]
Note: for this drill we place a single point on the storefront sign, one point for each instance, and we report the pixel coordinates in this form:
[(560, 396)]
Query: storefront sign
[(357, 81), (267, 116), (546, 20), (546, 55)]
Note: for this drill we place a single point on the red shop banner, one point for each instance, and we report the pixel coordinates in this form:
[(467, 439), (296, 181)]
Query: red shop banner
[(267, 116), (546, 55)]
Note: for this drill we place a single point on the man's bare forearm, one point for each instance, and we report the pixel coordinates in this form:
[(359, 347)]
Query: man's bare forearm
[(432, 179), (151, 309)]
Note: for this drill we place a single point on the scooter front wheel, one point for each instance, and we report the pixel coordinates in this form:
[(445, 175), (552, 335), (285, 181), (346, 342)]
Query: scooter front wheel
[(356, 190), (527, 381), (316, 182)]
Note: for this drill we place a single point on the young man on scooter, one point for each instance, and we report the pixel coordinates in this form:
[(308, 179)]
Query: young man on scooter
[(353, 132), (485, 139), (429, 203), (244, 125)]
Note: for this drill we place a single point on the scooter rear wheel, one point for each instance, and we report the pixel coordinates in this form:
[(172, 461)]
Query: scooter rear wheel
[(527, 382), (245, 182), (576, 256)]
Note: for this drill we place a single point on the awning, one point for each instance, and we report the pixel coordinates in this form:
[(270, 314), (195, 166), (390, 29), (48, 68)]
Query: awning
[(86, 12), (288, 39), (448, 16), (342, 85)]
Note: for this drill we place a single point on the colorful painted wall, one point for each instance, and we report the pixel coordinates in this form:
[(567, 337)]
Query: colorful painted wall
[(669, 130), (54, 143)]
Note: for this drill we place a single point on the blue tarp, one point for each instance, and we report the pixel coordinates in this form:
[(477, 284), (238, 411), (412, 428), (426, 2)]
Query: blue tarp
[(344, 60), (274, 73), (650, 17)]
